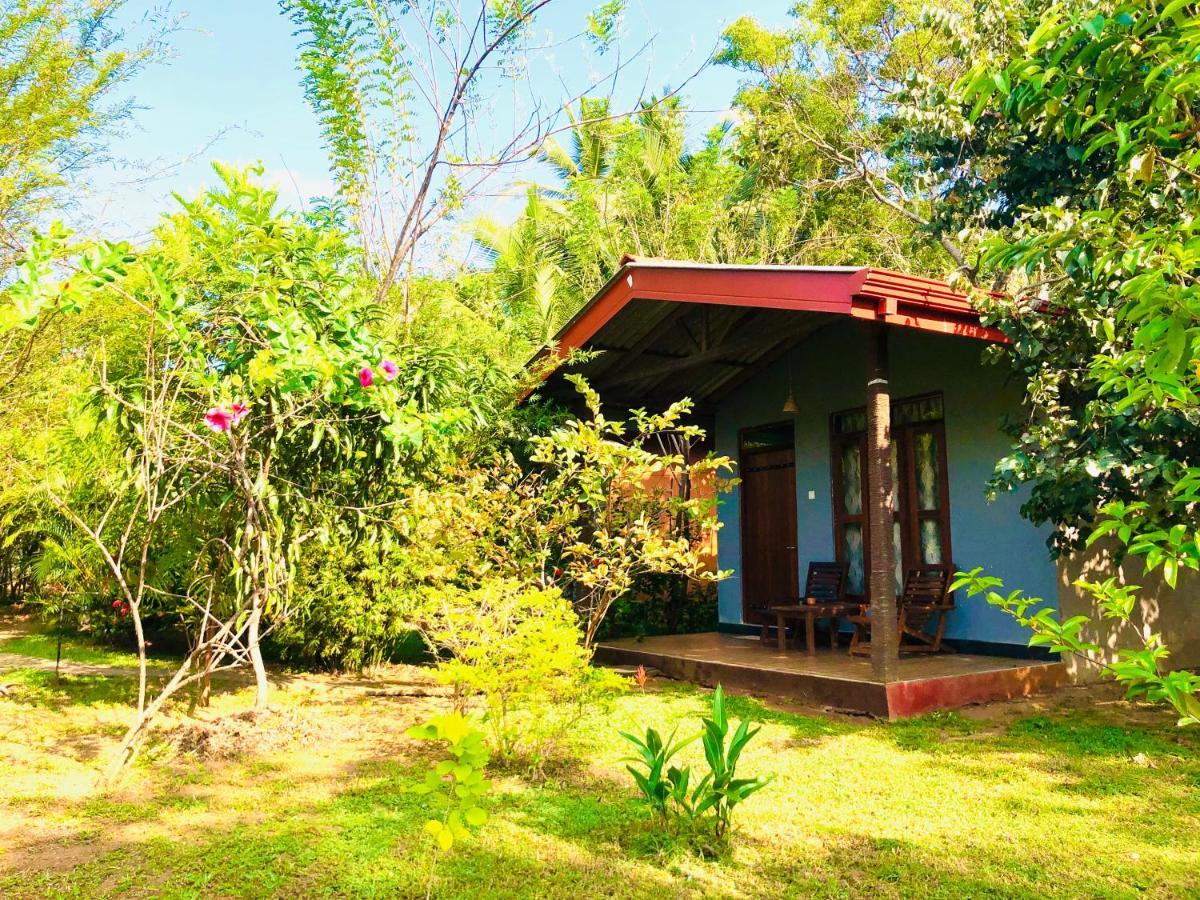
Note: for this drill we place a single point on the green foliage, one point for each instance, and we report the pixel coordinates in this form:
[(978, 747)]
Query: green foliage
[(1069, 152), (664, 787), (671, 791), (629, 185), (602, 23), (618, 511), (662, 604), (596, 509), (520, 648), (259, 411), (337, 40), (1138, 669), (724, 790), (456, 783), (350, 607), (60, 63), (820, 115)]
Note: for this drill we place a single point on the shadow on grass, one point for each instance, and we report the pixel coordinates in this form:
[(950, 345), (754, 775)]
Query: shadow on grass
[(859, 865), (367, 840), (41, 688), (587, 837)]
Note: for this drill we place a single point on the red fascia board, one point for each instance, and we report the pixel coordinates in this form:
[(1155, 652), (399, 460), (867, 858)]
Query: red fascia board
[(917, 302)]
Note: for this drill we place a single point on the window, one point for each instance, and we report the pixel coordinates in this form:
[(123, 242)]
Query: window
[(920, 499)]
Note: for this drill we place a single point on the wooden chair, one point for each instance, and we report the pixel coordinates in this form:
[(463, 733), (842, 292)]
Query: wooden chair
[(926, 595), (825, 583)]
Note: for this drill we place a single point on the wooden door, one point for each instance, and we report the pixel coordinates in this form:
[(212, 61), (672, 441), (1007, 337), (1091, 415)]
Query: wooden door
[(769, 564)]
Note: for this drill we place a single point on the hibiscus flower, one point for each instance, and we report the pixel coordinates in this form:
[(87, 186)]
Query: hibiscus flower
[(389, 369), (219, 419), (366, 377)]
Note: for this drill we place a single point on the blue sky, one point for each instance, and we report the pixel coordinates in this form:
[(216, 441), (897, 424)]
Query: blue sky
[(230, 91)]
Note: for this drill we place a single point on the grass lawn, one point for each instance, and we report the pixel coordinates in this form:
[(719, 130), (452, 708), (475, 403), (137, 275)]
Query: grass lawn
[(1079, 796), (44, 645)]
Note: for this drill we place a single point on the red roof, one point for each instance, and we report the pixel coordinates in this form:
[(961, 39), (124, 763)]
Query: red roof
[(895, 298)]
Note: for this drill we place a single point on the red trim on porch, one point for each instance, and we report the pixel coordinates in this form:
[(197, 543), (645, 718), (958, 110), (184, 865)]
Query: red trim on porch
[(912, 698)]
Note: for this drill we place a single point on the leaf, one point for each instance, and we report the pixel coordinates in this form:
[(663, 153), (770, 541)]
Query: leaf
[(475, 816), (1141, 166)]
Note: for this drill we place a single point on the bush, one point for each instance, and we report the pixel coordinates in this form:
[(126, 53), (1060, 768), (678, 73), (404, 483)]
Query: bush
[(350, 610), (521, 651), (662, 604)]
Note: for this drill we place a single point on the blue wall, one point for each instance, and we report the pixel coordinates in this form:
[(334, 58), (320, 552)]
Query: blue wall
[(829, 374)]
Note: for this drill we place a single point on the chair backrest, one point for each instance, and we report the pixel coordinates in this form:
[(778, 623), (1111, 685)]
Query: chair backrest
[(927, 585), (826, 582)]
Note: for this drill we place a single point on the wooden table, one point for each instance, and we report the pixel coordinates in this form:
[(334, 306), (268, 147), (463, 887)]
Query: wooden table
[(810, 612)]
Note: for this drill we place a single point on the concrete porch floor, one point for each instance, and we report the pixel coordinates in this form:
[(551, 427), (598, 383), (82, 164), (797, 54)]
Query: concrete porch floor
[(834, 678)]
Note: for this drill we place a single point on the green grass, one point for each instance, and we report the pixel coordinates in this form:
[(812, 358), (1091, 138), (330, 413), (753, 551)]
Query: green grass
[(1086, 802), (74, 649), (40, 687)]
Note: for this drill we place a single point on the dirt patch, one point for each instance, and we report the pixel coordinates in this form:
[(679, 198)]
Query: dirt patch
[(56, 855), (255, 734)]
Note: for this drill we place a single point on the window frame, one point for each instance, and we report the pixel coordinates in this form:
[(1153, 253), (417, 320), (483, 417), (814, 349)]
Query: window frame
[(904, 487)]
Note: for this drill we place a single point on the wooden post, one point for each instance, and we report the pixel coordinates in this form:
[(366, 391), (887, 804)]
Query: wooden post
[(881, 584)]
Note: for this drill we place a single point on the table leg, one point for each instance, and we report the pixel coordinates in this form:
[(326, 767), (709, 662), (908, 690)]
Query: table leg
[(810, 636), (781, 631), (833, 633)]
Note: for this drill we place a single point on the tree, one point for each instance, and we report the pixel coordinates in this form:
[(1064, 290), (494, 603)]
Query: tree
[(821, 113), (403, 93), (591, 511), (61, 61), (1072, 148), (261, 413), (630, 185)]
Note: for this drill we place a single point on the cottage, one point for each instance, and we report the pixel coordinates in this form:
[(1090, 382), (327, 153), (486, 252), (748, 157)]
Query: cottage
[(797, 372)]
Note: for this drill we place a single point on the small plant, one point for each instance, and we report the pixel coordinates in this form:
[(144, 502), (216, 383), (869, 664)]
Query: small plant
[(519, 649), (455, 783), (640, 677), (668, 789), (660, 785), (725, 791)]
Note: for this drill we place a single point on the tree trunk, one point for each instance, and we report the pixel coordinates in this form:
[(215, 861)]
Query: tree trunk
[(145, 714), (204, 691), (885, 637), (260, 671)]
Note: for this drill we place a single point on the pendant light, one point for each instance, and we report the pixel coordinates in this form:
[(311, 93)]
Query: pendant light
[(789, 405)]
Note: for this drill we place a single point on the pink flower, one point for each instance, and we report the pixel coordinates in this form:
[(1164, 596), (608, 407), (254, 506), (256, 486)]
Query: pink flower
[(366, 377), (219, 419), (240, 411), (389, 369)]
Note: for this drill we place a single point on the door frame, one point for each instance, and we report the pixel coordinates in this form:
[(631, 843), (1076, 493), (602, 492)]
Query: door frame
[(791, 424)]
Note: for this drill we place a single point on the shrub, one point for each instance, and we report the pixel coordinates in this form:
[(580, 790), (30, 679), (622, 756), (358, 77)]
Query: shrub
[(520, 649), (350, 609)]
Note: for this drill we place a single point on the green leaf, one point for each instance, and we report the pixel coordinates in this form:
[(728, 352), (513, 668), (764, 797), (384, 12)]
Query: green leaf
[(475, 816), (1095, 25)]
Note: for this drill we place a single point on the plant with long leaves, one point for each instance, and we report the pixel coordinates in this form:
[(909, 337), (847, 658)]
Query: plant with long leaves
[(670, 790), (661, 784)]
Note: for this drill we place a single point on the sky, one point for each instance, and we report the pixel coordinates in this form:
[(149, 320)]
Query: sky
[(229, 91)]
